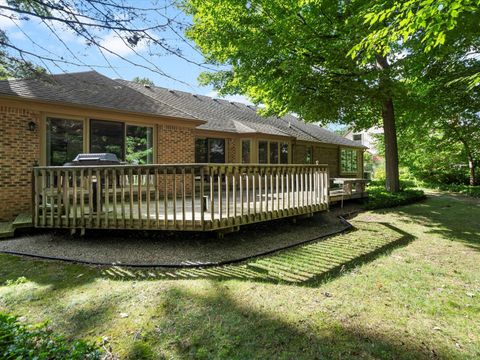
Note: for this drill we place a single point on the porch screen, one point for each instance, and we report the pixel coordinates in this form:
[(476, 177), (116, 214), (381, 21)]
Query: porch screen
[(64, 140), (139, 144), (107, 137)]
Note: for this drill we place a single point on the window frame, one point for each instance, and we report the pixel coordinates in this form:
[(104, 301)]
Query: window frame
[(347, 172), (44, 158), (279, 143), (225, 147), (154, 138), (241, 150), (86, 132)]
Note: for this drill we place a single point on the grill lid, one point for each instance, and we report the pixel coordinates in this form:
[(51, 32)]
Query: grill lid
[(94, 159)]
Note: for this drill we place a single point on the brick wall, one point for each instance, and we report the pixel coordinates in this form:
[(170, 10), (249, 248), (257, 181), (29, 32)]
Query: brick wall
[(175, 145), (19, 151), (232, 151)]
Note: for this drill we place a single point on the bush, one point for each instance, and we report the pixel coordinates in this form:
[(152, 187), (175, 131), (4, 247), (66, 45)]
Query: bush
[(379, 198), (19, 341)]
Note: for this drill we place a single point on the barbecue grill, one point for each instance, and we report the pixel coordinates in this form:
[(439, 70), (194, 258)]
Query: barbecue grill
[(94, 159)]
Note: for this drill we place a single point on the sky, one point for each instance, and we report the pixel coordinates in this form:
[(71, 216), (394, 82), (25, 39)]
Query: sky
[(55, 39)]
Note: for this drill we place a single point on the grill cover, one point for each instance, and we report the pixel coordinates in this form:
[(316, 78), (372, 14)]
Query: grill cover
[(94, 159)]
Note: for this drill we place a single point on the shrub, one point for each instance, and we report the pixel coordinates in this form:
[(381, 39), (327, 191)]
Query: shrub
[(379, 198), (19, 341)]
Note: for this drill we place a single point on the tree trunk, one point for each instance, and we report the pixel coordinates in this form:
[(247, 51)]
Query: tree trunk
[(389, 127), (391, 148), (471, 167)]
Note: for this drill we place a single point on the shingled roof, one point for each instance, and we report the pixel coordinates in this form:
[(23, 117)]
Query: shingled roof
[(227, 116), (89, 89), (92, 89)]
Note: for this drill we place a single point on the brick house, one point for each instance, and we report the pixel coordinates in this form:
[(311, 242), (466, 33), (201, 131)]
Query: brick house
[(49, 121)]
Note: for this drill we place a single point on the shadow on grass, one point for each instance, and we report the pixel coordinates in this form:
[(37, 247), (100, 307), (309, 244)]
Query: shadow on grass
[(215, 324), (306, 265), (454, 217)]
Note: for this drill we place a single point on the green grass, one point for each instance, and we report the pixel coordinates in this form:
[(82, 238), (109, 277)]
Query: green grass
[(469, 190), (404, 284)]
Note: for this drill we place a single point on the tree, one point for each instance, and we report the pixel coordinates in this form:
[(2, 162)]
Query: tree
[(140, 28), (143, 81), (451, 24), (293, 57), (443, 123)]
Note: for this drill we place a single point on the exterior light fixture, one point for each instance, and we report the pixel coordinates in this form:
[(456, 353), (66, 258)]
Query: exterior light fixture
[(32, 126)]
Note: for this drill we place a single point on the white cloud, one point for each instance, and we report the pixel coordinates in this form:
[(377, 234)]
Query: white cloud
[(117, 45)]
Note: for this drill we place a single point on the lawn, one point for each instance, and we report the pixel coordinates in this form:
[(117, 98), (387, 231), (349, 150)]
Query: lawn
[(404, 284)]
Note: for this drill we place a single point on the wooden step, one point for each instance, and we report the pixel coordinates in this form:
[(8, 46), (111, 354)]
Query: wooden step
[(6, 230), (22, 221)]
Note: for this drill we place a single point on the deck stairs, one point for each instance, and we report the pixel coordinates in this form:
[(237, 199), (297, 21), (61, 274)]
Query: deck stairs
[(7, 229)]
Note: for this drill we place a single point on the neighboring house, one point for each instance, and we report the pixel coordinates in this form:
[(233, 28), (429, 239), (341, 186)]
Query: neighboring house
[(367, 138), (48, 122)]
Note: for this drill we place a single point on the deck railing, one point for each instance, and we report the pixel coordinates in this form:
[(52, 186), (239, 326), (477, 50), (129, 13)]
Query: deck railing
[(175, 197)]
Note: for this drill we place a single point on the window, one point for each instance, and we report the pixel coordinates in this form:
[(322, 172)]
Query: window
[(216, 150), (209, 150), (263, 152), (348, 161), (139, 144), (107, 137), (245, 151), (273, 152), (284, 153), (201, 150), (308, 155), (64, 140), (357, 137)]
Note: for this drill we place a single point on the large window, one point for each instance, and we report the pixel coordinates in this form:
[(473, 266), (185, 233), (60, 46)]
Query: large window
[(348, 161), (246, 146), (210, 150), (139, 144), (107, 137), (64, 140), (272, 152)]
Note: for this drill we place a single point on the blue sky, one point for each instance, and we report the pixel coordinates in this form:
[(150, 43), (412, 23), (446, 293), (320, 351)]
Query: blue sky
[(35, 36), (56, 40)]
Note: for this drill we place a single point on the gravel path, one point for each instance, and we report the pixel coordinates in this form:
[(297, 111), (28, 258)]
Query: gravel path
[(157, 247)]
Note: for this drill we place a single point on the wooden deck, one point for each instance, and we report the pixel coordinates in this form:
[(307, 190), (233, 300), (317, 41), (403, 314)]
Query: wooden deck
[(200, 197)]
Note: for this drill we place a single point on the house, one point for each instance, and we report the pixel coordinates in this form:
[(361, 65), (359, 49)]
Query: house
[(367, 138), (47, 122)]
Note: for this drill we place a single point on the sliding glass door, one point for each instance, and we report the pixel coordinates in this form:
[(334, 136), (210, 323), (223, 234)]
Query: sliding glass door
[(107, 137), (64, 140), (131, 143)]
